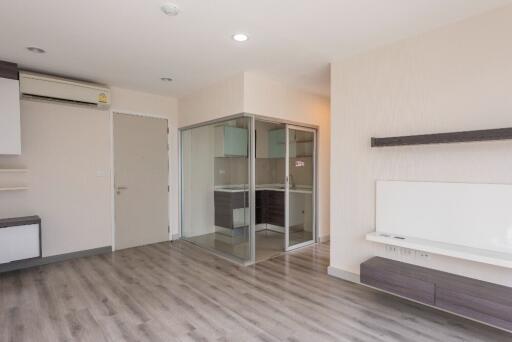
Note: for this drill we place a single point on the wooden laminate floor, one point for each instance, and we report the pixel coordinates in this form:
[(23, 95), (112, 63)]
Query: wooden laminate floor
[(178, 292)]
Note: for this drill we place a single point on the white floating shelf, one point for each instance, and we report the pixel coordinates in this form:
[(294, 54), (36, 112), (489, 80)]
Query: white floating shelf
[(501, 259), (14, 188), (13, 170)]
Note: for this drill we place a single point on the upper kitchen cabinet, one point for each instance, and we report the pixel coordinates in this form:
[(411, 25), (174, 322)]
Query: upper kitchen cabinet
[(10, 131), (230, 141), (276, 143), (301, 144)]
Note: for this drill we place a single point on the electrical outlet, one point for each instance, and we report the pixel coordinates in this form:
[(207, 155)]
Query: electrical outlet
[(391, 249), (406, 252), (422, 255)]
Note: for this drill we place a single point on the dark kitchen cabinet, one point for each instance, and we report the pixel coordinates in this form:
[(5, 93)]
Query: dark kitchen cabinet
[(270, 207), (226, 203)]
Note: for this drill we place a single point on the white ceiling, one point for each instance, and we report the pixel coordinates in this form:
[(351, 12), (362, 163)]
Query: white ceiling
[(131, 43)]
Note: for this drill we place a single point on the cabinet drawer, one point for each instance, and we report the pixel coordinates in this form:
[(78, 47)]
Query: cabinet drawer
[(481, 307), (276, 201), (416, 289), (19, 242), (261, 216), (222, 199), (261, 198), (225, 221)]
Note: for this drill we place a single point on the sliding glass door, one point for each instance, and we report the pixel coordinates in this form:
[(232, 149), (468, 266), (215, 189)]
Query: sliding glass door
[(300, 187)]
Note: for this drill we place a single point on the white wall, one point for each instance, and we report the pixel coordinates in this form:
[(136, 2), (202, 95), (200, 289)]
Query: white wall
[(67, 151), (453, 79), (264, 96)]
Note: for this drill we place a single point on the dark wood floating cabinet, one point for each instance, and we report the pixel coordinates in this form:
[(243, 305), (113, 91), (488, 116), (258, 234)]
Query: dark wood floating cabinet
[(444, 138), (486, 302)]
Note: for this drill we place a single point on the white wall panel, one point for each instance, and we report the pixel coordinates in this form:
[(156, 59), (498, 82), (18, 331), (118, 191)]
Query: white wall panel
[(472, 215)]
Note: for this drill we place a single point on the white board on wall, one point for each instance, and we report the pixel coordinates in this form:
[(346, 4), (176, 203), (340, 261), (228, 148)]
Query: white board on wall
[(473, 215)]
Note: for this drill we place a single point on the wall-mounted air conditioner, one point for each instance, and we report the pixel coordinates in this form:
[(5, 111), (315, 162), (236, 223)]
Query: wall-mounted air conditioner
[(59, 89)]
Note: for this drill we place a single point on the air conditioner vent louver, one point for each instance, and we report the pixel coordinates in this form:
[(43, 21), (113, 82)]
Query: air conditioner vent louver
[(54, 99), (48, 88)]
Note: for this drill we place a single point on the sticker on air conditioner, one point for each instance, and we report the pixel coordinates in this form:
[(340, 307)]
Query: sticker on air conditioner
[(102, 98)]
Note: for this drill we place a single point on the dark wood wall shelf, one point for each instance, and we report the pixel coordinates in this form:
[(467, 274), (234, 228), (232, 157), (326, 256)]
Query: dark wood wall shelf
[(445, 138)]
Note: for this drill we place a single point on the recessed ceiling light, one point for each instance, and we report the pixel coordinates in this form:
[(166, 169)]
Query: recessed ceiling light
[(166, 79), (170, 9), (240, 37), (35, 49)]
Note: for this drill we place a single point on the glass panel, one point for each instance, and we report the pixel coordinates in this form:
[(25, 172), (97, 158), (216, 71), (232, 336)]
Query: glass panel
[(215, 187), (270, 189), (301, 181)]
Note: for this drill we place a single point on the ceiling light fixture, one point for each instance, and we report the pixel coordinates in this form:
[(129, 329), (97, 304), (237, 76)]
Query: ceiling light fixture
[(166, 79), (240, 37), (170, 9), (35, 49)]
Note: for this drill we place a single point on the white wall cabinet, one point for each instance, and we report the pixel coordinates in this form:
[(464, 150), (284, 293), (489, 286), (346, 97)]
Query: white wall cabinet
[(230, 141), (19, 239), (10, 131)]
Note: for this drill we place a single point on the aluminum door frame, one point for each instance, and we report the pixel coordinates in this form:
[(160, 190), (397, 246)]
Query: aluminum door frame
[(287, 246)]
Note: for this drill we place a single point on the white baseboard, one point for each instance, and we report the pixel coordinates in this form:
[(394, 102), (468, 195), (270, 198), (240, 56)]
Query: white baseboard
[(324, 238), (260, 227), (175, 237), (273, 228), (342, 274)]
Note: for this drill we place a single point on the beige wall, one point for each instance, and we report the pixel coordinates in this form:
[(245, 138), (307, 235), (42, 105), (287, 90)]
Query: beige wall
[(230, 171), (67, 151), (453, 79), (220, 99), (256, 94)]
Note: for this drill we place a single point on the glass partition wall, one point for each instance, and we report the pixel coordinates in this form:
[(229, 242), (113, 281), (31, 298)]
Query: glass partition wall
[(248, 187), (215, 187)]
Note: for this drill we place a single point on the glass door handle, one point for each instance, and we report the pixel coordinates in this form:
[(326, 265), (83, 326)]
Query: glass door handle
[(119, 188)]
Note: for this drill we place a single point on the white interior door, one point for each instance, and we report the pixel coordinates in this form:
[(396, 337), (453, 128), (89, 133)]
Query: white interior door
[(300, 168), (141, 173)]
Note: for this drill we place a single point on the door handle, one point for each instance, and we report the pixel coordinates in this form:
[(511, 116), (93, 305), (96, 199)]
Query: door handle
[(119, 188)]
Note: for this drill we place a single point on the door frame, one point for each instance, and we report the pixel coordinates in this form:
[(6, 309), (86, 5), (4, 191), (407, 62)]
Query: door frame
[(287, 246), (112, 169)]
